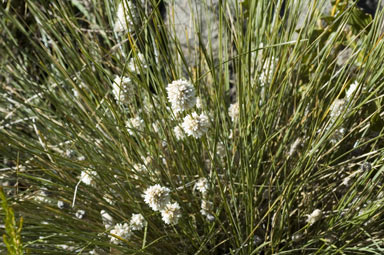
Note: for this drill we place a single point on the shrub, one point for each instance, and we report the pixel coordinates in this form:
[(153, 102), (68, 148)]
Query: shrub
[(117, 138)]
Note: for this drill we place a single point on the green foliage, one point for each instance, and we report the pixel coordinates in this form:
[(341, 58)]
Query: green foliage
[(294, 105), (12, 236)]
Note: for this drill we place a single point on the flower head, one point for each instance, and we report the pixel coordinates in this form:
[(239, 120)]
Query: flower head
[(134, 64), (88, 177), (171, 213), (126, 16), (135, 124), (139, 168), (195, 125), (234, 111), (267, 72), (106, 218), (60, 204), (337, 108), (137, 222), (315, 216), (80, 214), (181, 94), (206, 208), (351, 90), (179, 133), (202, 185), (157, 197), (123, 89), (199, 102), (122, 231)]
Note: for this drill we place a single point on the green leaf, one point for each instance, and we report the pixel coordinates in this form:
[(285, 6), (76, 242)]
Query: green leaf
[(376, 122), (360, 21)]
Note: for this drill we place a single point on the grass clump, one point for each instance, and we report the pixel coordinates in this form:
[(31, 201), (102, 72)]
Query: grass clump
[(262, 134)]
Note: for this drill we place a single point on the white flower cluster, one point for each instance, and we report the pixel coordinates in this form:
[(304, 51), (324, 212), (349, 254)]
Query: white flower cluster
[(337, 109), (139, 168), (171, 213), (60, 204), (87, 177), (206, 207), (133, 66), (123, 230), (195, 125), (315, 216), (137, 221), (267, 72), (158, 198), (42, 196), (347, 180), (134, 124), (350, 91), (199, 103), (126, 16), (234, 111), (123, 89), (179, 133), (181, 94), (146, 160), (107, 219), (202, 185), (80, 214)]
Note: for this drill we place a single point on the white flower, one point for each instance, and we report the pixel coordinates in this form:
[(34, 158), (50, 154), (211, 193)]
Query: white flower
[(230, 136), (123, 89), (337, 108), (220, 149), (135, 124), (315, 216), (297, 237), (137, 222), (157, 197), (81, 158), (69, 247), (234, 111), (179, 133), (181, 94), (42, 196), (171, 213), (206, 207), (147, 160), (195, 125), (87, 177), (157, 126), (347, 181), (351, 90), (133, 66), (109, 200), (76, 91), (267, 72), (80, 214), (202, 185), (139, 167), (60, 204), (199, 103), (126, 16), (107, 219), (121, 230)]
